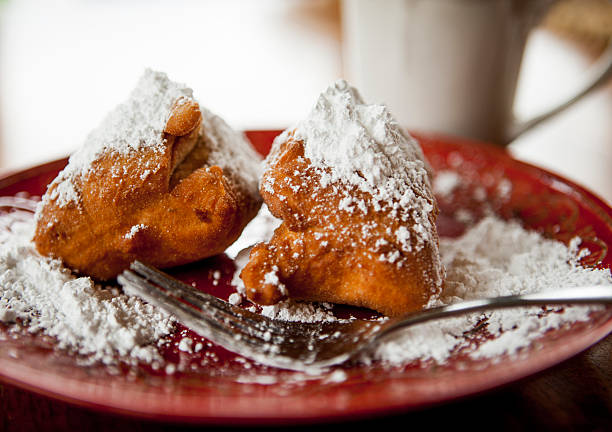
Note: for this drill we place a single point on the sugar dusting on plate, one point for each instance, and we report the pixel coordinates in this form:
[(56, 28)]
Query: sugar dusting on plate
[(498, 258), (97, 323)]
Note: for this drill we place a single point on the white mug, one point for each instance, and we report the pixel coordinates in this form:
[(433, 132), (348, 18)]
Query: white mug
[(448, 66)]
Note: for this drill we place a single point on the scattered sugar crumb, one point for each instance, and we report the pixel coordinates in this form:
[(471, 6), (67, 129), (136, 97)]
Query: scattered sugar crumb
[(185, 345), (132, 232), (235, 299), (445, 183), (289, 310)]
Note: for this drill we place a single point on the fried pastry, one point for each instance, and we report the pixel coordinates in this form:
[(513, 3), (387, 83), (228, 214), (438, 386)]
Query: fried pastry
[(161, 180), (353, 192)]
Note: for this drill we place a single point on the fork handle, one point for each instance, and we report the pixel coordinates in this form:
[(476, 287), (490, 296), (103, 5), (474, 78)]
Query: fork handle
[(594, 294)]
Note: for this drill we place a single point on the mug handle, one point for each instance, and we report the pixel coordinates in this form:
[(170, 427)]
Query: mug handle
[(598, 74)]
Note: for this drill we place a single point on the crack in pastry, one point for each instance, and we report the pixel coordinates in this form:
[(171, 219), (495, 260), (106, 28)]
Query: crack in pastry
[(353, 192), (161, 180), (182, 127)]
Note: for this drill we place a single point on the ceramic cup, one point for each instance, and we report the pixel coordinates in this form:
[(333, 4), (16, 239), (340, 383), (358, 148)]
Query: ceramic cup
[(448, 66)]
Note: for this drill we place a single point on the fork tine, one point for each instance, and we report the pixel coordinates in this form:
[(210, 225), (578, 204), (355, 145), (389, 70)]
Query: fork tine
[(192, 310), (187, 314), (268, 330), (18, 203), (204, 301), (171, 283), (296, 347)]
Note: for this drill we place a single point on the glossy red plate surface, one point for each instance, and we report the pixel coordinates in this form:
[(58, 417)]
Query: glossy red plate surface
[(214, 385)]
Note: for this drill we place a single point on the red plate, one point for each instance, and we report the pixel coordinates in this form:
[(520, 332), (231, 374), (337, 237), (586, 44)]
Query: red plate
[(214, 386)]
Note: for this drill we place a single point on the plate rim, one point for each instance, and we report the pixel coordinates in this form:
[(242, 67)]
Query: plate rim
[(86, 394)]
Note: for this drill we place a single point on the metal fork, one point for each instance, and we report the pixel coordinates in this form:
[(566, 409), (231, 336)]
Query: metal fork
[(309, 346)]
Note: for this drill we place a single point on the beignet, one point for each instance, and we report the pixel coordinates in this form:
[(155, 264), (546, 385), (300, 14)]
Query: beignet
[(353, 192), (161, 180)]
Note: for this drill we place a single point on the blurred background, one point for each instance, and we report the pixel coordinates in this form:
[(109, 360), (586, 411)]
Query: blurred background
[(259, 64)]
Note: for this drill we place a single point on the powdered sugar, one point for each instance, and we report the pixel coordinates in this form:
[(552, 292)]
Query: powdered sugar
[(135, 228), (361, 143), (231, 151), (272, 278), (90, 320), (350, 142), (258, 230), (298, 311), (445, 183), (359, 162)]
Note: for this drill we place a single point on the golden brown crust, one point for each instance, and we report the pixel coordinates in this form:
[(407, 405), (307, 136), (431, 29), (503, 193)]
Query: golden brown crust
[(141, 214), (185, 116), (322, 254)]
